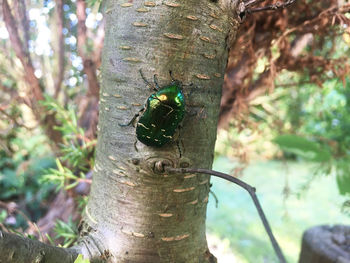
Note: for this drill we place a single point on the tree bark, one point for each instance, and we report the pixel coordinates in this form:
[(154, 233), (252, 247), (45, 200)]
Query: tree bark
[(135, 214), (16, 249)]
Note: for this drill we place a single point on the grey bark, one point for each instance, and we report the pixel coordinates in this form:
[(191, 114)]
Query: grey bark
[(326, 244), (14, 248), (135, 214)]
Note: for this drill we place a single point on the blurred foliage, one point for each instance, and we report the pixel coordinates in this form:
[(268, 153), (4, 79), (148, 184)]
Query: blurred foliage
[(75, 161), (80, 259), (278, 183), (323, 119), (30, 168), (76, 149), (62, 177), (66, 230), (29, 173), (305, 122), (22, 161), (299, 119), (302, 147)]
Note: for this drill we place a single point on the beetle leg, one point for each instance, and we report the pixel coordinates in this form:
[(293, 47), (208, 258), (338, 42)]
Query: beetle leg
[(135, 145), (178, 140), (153, 87), (145, 80), (178, 147), (155, 79), (143, 77), (132, 121), (215, 197)]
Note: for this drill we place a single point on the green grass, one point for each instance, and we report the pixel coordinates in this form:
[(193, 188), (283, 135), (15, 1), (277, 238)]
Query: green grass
[(237, 223)]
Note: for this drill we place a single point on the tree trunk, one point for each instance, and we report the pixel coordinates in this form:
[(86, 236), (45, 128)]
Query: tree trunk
[(326, 244), (135, 214)]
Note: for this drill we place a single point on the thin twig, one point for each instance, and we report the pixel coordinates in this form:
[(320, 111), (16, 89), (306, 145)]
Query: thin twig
[(84, 180), (13, 119), (276, 6), (252, 2), (251, 190), (215, 197)]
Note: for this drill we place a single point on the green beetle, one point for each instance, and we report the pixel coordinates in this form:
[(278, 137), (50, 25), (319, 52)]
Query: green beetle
[(163, 112)]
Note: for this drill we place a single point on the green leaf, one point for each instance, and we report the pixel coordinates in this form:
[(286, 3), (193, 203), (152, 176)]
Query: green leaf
[(59, 165), (302, 147), (50, 239), (346, 207), (80, 259), (3, 216), (67, 230), (343, 182)]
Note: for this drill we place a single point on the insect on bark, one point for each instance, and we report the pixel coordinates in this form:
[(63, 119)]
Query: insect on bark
[(163, 112)]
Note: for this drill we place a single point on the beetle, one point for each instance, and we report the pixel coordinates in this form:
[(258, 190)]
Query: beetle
[(162, 114)]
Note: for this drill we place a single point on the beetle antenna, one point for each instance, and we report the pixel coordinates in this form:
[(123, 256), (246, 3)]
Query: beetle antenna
[(171, 75)]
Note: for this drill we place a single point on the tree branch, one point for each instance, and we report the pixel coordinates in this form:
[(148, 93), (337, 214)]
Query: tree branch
[(251, 190), (276, 6), (60, 47), (13, 119), (252, 2), (88, 63), (35, 94), (16, 249), (22, 55), (89, 104)]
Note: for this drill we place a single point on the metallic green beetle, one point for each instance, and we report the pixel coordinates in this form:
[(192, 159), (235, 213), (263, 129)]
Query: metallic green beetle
[(162, 114)]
